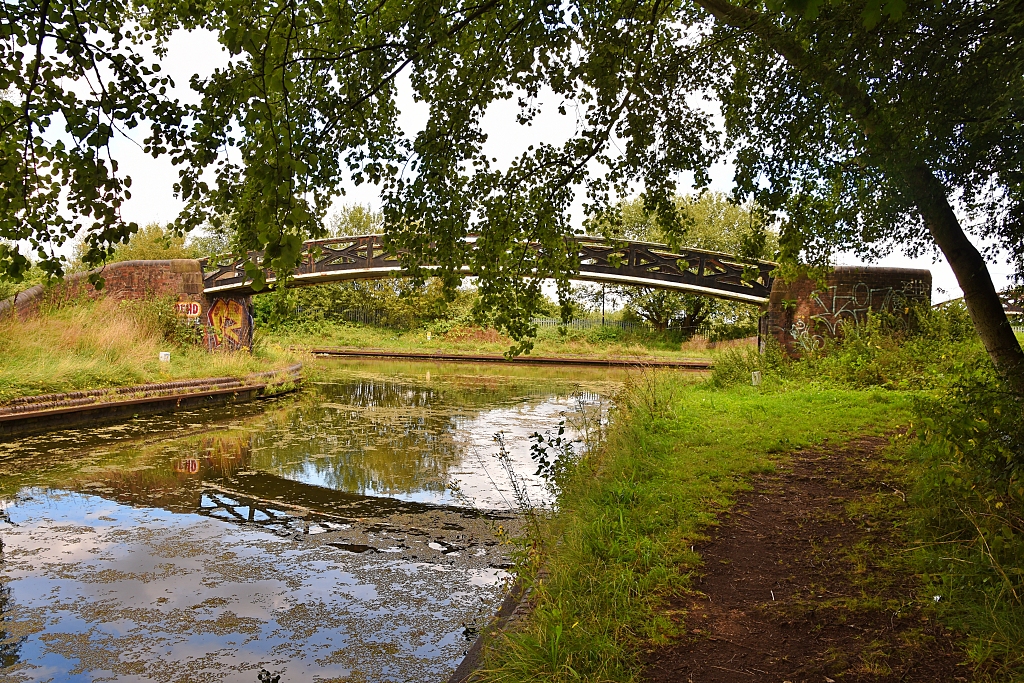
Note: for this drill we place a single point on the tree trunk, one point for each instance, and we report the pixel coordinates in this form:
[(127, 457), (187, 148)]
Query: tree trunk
[(971, 273), (929, 195)]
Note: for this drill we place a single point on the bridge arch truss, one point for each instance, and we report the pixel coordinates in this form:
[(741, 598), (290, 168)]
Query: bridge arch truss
[(643, 264)]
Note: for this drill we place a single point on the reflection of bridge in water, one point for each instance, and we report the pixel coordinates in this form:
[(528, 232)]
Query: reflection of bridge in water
[(290, 508), (643, 264)]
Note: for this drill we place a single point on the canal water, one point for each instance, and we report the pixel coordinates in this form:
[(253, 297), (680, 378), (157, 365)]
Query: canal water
[(350, 532)]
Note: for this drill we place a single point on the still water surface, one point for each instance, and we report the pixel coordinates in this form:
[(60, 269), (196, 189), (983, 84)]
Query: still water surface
[(347, 533)]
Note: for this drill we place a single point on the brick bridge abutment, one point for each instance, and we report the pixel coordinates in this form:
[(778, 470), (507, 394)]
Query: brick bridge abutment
[(804, 313), (226, 320)]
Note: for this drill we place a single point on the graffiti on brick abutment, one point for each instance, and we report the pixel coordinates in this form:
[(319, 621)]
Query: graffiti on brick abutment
[(229, 324), (850, 304)]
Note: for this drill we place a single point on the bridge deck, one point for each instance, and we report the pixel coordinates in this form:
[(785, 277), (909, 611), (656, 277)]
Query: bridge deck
[(640, 264)]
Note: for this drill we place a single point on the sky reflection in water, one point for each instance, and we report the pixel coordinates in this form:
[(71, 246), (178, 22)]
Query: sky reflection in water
[(344, 534)]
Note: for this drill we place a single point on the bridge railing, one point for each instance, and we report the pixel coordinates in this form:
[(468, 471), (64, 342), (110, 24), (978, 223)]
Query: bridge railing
[(619, 262)]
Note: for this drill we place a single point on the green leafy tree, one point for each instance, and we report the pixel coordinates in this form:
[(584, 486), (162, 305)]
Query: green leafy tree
[(355, 219), (870, 124), (864, 124), (154, 242), (213, 242), (73, 78), (33, 275), (712, 222)]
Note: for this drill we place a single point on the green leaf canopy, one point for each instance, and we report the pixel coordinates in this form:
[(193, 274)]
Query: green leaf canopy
[(862, 125)]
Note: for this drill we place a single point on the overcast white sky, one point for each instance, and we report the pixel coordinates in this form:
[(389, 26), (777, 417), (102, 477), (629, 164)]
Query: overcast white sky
[(199, 53)]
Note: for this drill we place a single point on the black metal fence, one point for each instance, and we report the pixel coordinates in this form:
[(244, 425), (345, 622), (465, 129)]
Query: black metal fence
[(366, 317), (587, 324)]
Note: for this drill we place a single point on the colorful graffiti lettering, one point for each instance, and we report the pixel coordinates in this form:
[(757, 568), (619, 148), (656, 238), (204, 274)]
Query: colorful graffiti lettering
[(229, 323), (189, 309)]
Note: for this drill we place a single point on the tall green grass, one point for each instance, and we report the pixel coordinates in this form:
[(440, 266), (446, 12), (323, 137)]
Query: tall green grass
[(95, 344)]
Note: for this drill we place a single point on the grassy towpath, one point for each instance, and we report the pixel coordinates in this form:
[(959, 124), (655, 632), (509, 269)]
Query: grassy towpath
[(818, 483), (805, 578), (630, 519)]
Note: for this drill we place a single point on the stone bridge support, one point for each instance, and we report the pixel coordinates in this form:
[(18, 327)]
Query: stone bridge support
[(803, 313)]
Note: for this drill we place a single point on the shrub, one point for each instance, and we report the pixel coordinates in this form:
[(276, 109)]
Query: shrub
[(970, 505), (394, 303), (926, 349), (157, 316)]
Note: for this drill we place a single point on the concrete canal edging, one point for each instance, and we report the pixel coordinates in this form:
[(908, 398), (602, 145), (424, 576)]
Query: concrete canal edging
[(515, 605), (33, 414), (684, 363)]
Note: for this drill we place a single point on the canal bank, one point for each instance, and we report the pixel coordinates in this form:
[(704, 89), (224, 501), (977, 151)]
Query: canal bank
[(566, 361), (32, 414)]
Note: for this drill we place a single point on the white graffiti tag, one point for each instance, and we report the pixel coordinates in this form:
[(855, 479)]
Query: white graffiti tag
[(804, 338), (850, 303)]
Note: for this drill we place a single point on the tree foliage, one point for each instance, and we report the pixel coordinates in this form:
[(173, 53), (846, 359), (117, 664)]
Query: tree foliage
[(861, 125), (355, 219), (154, 242), (73, 78)]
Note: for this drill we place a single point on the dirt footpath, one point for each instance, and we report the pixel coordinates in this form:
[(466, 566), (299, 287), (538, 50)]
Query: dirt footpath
[(803, 582)]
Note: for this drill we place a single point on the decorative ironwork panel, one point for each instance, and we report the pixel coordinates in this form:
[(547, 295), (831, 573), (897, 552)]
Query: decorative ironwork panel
[(634, 263), (691, 269)]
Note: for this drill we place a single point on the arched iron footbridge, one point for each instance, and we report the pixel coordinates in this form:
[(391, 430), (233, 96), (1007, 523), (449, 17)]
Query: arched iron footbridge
[(642, 264)]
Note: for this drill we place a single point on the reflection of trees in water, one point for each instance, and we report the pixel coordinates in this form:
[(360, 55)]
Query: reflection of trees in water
[(145, 476), (370, 436), (10, 648), (377, 435)]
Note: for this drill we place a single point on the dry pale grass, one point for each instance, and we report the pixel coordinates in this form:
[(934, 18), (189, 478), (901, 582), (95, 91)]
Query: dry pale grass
[(700, 344), (104, 343)]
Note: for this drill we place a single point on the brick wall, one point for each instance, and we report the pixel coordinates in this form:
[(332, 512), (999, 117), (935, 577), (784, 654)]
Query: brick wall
[(181, 278), (140, 279), (801, 314)]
